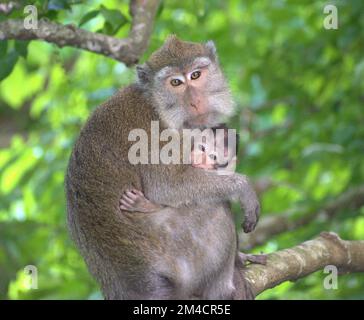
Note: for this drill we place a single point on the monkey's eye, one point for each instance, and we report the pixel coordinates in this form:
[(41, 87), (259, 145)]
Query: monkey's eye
[(195, 75), (213, 157), (176, 82), (202, 148)]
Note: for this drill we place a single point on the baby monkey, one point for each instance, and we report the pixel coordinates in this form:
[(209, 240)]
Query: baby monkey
[(212, 153)]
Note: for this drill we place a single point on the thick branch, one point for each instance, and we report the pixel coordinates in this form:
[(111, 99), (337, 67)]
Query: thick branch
[(126, 50), (275, 224), (306, 258)]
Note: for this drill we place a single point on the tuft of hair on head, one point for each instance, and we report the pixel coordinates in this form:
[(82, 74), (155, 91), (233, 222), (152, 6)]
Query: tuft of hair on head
[(171, 39), (176, 52)]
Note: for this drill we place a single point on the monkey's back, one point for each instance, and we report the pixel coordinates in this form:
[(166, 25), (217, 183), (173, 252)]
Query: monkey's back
[(99, 172)]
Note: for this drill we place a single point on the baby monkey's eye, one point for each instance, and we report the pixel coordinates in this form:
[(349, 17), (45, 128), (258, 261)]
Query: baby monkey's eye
[(213, 157), (201, 147), (195, 75), (176, 82)]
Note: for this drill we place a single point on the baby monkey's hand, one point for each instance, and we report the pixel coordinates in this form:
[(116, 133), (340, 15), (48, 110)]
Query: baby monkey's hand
[(134, 200)]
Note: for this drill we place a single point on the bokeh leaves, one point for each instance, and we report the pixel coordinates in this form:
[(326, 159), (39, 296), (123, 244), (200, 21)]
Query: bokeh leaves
[(299, 92)]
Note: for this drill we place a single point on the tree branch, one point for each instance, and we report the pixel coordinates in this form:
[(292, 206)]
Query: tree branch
[(306, 258), (275, 224), (126, 50)]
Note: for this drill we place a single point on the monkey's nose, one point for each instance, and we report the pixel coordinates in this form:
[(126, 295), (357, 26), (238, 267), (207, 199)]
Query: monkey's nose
[(193, 105)]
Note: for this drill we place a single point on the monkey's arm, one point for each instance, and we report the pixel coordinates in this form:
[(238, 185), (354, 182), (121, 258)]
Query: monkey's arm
[(193, 186)]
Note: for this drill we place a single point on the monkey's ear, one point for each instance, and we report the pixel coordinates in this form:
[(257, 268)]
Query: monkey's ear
[(210, 46), (144, 73)]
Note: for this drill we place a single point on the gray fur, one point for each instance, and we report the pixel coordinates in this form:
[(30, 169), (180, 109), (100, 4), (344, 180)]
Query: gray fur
[(185, 251)]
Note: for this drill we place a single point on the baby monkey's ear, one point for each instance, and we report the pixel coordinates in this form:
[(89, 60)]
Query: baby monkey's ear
[(144, 74)]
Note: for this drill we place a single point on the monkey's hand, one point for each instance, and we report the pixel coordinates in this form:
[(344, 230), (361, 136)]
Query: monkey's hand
[(249, 201), (134, 200)]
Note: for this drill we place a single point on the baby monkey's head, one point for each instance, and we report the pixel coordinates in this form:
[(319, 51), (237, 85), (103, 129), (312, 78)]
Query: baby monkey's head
[(216, 151)]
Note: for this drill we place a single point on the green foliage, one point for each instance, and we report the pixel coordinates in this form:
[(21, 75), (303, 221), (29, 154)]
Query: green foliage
[(8, 62), (299, 92), (114, 20), (89, 16)]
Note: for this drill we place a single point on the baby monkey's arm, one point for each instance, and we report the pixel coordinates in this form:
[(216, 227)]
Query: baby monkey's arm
[(134, 200)]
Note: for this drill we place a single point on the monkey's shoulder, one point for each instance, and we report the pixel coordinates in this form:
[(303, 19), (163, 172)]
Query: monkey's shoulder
[(127, 109), (130, 107)]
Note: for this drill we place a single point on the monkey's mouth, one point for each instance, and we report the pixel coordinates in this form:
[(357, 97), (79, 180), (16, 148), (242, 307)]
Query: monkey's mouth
[(198, 121), (221, 165)]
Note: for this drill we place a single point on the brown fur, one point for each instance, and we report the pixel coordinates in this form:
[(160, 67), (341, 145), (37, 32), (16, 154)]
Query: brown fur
[(176, 53), (183, 251)]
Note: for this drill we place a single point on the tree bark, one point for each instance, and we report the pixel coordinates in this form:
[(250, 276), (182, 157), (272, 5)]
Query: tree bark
[(308, 257), (126, 50), (272, 225)]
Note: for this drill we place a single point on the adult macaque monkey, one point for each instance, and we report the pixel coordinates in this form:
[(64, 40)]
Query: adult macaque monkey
[(187, 249)]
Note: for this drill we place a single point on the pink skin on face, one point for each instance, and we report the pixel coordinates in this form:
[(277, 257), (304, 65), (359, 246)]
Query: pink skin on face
[(199, 160)]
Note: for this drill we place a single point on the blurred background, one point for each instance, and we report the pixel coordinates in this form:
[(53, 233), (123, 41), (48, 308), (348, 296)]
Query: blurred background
[(299, 90)]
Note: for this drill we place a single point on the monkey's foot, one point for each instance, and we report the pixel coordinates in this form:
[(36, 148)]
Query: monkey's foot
[(134, 200), (253, 258)]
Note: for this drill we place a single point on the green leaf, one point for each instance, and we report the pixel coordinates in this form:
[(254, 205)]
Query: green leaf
[(3, 48), (58, 5), (21, 48), (51, 15), (114, 20), (88, 16), (160, 9), (108, 29), (8, 63)]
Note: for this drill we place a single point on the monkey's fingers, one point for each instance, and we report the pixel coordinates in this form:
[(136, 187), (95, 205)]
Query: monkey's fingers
[(128, 202), (249, 226), (124, 203), (138, 192), (251, 215), (126, 207), (253, 258), (131, 195), (257, 258), (126, 198)]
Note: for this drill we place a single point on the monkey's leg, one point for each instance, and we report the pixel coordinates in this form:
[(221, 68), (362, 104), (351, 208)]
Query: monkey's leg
[(242, 287), (221, 286), (153, 286)]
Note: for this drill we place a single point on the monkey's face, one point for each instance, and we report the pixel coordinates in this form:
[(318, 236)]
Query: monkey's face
[(192, 96), (212, 152), (187, 85), (206, 155)]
